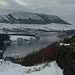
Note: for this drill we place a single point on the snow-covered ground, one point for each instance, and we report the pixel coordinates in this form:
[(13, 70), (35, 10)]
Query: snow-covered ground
[(9, 68), (52, 26), (21, 38)]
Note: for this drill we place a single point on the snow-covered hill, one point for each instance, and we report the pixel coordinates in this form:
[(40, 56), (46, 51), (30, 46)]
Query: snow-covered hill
[(50, 27), (9, 68), (22, 17)]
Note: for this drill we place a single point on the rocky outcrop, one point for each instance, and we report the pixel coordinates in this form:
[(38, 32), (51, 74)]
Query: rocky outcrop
[(65, 56)]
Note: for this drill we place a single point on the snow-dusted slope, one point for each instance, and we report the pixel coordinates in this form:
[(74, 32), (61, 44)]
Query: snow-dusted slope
[(49, 27), (22, 17), (8, 68)]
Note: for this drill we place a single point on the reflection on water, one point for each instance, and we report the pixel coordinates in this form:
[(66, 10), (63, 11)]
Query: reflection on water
[(23, 48)]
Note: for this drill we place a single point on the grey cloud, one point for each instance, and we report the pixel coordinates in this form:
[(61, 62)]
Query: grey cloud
[(67, 1)]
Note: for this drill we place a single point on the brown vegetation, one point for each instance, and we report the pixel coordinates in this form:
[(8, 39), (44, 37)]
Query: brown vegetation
[(43, 55)]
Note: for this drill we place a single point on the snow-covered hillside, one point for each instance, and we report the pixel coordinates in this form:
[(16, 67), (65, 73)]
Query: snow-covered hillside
[(22, 17), (52, 26), (9, 68)]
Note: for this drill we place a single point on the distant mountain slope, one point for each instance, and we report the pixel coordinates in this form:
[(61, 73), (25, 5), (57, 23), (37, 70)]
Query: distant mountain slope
[(21, 17)]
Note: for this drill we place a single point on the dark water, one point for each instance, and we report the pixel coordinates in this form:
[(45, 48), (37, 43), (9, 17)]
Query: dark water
[(24, 48)]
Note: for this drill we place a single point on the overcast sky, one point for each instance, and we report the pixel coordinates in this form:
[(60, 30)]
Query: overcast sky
[(65, 9)]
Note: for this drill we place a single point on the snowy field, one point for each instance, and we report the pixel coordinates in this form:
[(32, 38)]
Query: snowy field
[(9, 68), (36, 26), (15, 38)]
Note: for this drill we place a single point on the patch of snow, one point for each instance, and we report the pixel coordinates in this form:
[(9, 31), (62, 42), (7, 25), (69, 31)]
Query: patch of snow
[(59, 26), (4, 17), (52, 17), (9, 68), (26, 15), (15, 37), (64, 44), (61, 44)]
